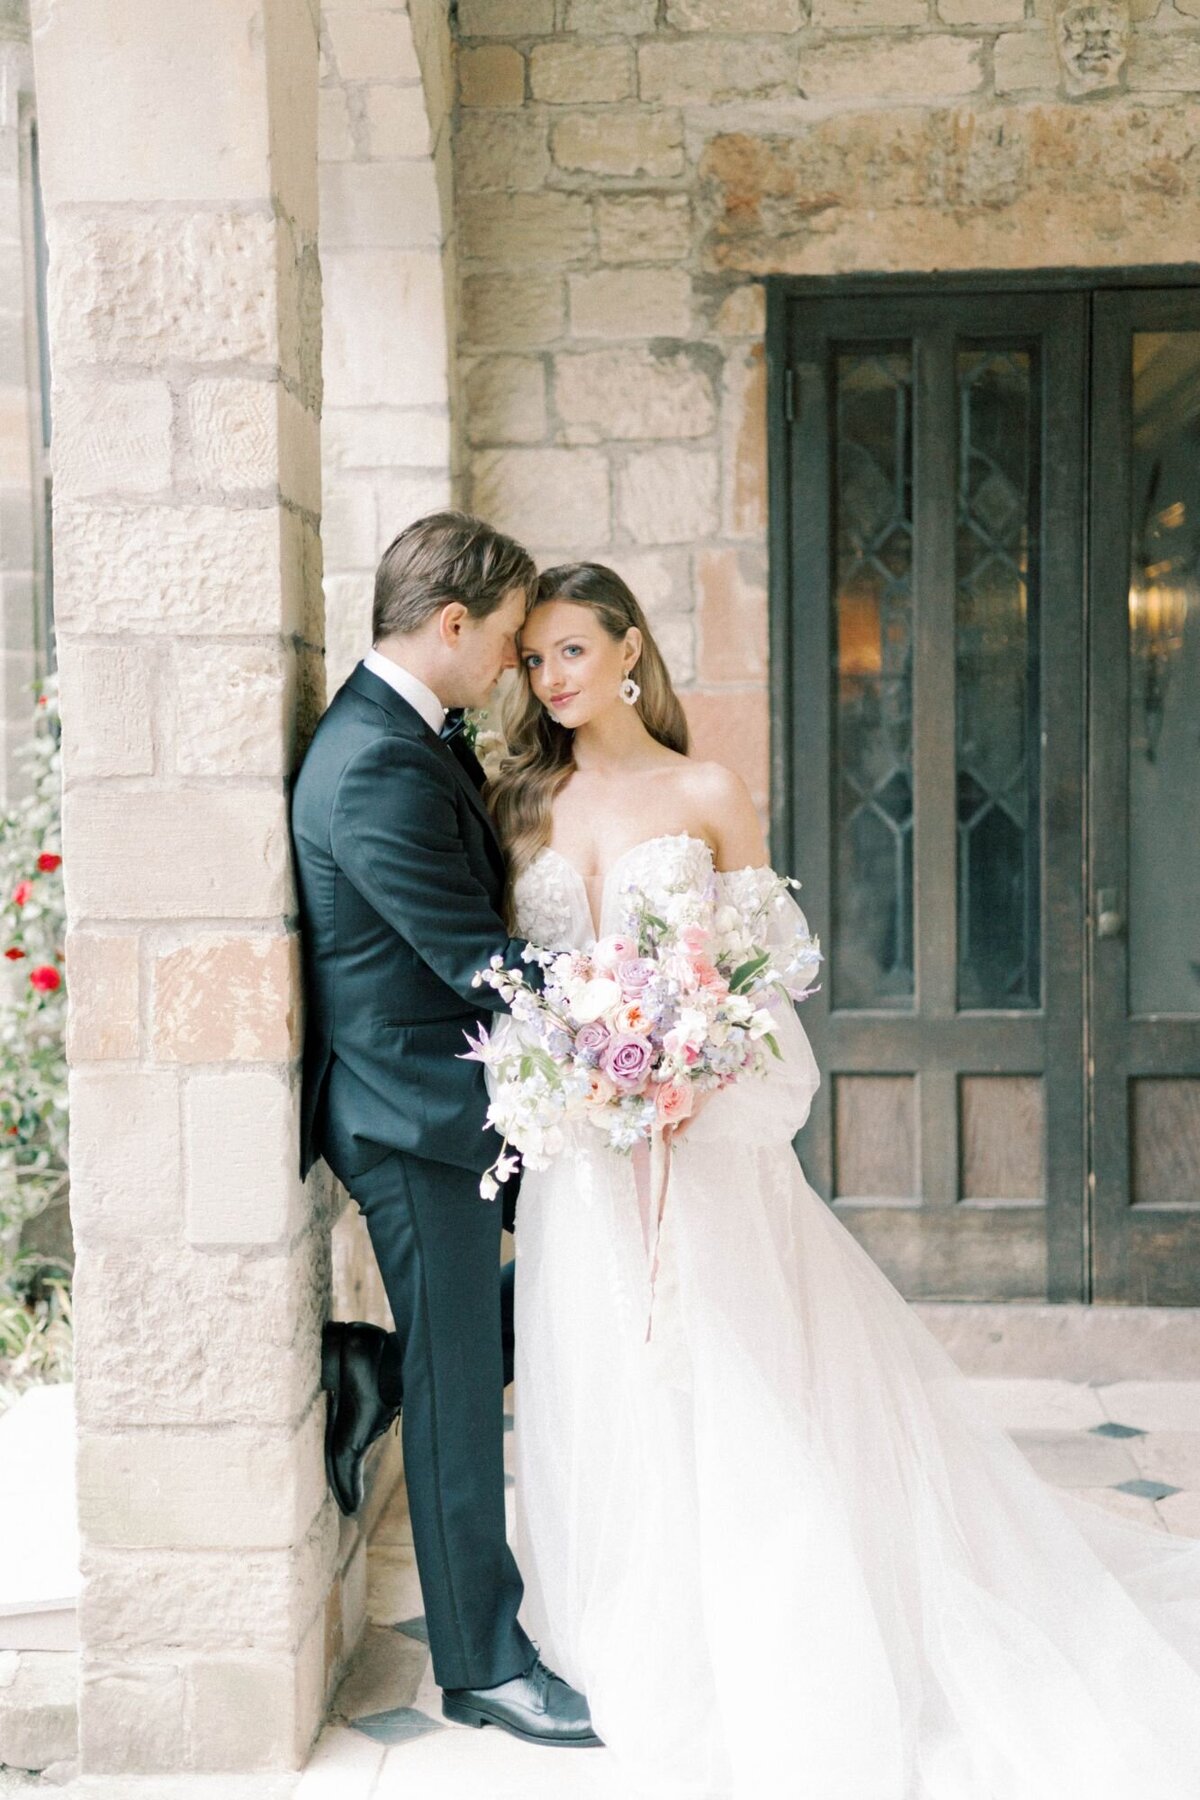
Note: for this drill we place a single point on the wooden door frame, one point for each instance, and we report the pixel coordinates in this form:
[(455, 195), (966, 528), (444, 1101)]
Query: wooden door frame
[(799, 733)]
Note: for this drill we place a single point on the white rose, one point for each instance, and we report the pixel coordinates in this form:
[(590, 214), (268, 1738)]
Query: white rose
[(594, 998)]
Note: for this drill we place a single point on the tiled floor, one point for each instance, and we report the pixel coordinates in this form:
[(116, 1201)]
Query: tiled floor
[(1133, 1446)]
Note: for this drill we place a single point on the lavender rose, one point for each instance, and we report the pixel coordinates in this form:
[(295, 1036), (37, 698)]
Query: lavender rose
[(591, 1041), (635, 974), (627, 1060)]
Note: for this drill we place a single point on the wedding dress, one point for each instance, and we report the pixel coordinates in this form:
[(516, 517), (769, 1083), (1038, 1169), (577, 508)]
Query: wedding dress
[(779, 1547)]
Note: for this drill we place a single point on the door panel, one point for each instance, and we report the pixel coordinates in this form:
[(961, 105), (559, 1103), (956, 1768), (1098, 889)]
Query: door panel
[(1145, 798), (929, 774)]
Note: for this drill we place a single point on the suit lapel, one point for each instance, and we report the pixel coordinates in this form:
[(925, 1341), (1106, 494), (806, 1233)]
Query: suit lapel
[(409, 720)]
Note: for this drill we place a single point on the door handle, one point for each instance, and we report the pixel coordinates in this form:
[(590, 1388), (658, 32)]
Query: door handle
[(1110, 920)]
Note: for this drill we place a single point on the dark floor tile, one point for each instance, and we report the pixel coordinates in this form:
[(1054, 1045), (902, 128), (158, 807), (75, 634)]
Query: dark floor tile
[(397, 1726), (413, 1628), (1147, 1490), (1109, 1429)]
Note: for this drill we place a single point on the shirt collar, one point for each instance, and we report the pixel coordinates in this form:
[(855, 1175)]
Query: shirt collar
[(409, 687)]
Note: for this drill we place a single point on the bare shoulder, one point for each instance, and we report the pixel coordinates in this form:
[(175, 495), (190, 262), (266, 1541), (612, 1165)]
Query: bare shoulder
[(722, 798)]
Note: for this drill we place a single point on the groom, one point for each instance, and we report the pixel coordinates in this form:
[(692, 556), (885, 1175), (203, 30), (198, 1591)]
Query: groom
[(401, 883)]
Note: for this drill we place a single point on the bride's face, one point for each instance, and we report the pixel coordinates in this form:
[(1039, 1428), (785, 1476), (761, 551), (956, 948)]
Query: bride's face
[(574, 666)]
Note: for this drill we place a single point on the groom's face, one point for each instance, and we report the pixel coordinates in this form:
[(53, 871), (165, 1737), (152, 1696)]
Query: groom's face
[(487, 647)]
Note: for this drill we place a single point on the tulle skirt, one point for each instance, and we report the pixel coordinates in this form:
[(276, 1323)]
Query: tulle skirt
[(781, 1549)]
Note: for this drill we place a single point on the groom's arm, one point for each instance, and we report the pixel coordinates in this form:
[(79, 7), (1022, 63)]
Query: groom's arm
[(395, 834)]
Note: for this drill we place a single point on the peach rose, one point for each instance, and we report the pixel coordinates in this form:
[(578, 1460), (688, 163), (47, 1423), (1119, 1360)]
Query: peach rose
[(673, 1102)]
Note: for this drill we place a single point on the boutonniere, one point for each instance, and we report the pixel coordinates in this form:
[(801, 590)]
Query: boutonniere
[(486, 742)]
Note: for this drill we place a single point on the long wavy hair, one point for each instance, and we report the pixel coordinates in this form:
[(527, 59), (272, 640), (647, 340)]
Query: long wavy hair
[(541, 751)]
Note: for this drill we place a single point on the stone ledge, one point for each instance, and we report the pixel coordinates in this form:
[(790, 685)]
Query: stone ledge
[(39, 1724), (1093, 1344)]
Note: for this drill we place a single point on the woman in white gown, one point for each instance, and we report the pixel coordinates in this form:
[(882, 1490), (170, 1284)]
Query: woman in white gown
[(778, 1547)]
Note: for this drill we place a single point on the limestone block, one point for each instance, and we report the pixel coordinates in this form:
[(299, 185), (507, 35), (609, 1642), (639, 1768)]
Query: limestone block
[(349, 527), (15, 427), (178, 853), (735, 15), (131, 1716), (397, 121), (744, 312), (869, 15), (632, 228), (744, 444), (234, 708), (1024, 59), (385, 437), (500, 150), (188, 1337), (620, 142), (918, 68), (111, 437), (661, 579), (243, 1711), (573, 74), (733, 728), (241, 1157), (106, 720), (631, 303), (676, 638), (368, 360), (402, 495), (155, 287), (1162, 64), (527, 314), (668, 495), (713, 70), (221, 998), (226, 1489), (347, 624), (373, 45), (103, 997), (38, 1709), (252, 1599), (605, 18), (981, 12), (634, 394), (203, 569), (493, 75), (334, 136), (126, 1185), (377, 204), (253, 434), (515, 230), (545, 496), (733, 616), (505, 18), (506, 401)]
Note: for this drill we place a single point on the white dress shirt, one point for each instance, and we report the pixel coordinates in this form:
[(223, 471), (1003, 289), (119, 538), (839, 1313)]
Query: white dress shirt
[(409, 687)]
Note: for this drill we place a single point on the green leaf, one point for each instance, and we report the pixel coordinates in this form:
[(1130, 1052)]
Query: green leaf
[(748, 970)]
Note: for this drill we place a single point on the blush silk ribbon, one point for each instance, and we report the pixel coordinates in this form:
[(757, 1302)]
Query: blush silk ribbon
[(651, 1178)]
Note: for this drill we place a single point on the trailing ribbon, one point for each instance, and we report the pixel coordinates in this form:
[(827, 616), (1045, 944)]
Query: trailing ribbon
[(652, 1202)]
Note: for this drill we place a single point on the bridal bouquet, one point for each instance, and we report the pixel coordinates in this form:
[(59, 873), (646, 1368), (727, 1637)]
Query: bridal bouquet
[(628, 1034)]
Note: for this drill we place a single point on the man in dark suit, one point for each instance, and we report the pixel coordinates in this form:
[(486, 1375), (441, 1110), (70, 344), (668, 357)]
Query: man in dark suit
[(401, 883)]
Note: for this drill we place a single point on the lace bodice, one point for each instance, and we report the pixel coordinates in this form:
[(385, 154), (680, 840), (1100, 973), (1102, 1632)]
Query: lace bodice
[(551, 897)]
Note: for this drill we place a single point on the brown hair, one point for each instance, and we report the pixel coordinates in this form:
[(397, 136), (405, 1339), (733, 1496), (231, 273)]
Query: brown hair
[(540, 750), (446, 556)]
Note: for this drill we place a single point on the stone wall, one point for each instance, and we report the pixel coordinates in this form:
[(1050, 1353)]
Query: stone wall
[(185, 322), (625, 172), (387, 258)]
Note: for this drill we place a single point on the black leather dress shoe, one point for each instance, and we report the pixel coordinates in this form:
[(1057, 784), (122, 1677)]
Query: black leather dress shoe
[(357, 1414), (537, 1706)]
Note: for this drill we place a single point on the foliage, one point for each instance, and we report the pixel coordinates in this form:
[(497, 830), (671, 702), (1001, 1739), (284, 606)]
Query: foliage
[(34, 1303)]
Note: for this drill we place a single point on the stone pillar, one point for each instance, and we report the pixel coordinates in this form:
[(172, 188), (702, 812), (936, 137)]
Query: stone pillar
[(179, 162)]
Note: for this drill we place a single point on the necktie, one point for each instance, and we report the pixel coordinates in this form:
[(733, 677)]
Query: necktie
[(453, 723)]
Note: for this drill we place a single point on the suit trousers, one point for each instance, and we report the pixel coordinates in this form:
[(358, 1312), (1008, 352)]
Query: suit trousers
[(437, 1244)]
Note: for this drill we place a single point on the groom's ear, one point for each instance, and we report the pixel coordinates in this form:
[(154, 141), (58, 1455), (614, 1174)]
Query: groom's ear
[(450, 622)]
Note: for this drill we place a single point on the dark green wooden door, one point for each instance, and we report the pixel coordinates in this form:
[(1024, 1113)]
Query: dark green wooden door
[(929, 499)]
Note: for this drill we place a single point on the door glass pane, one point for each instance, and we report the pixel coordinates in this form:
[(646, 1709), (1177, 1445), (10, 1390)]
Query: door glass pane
[(872, 959), (997, 680), (1164, 676)]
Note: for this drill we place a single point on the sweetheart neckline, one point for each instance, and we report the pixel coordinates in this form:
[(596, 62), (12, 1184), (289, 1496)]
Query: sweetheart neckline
[(662, 837)]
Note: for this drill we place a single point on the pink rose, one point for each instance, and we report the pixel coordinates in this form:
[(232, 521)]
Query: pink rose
[(591, 1040), (627, 1061), (673, 1102), (693, 938), (607, 952)]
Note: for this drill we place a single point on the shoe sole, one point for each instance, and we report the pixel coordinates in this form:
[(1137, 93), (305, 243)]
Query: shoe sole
[(471, 1715), (331, 1382)]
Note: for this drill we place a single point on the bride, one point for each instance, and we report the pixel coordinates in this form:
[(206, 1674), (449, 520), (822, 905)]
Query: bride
[(777, 1546)]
